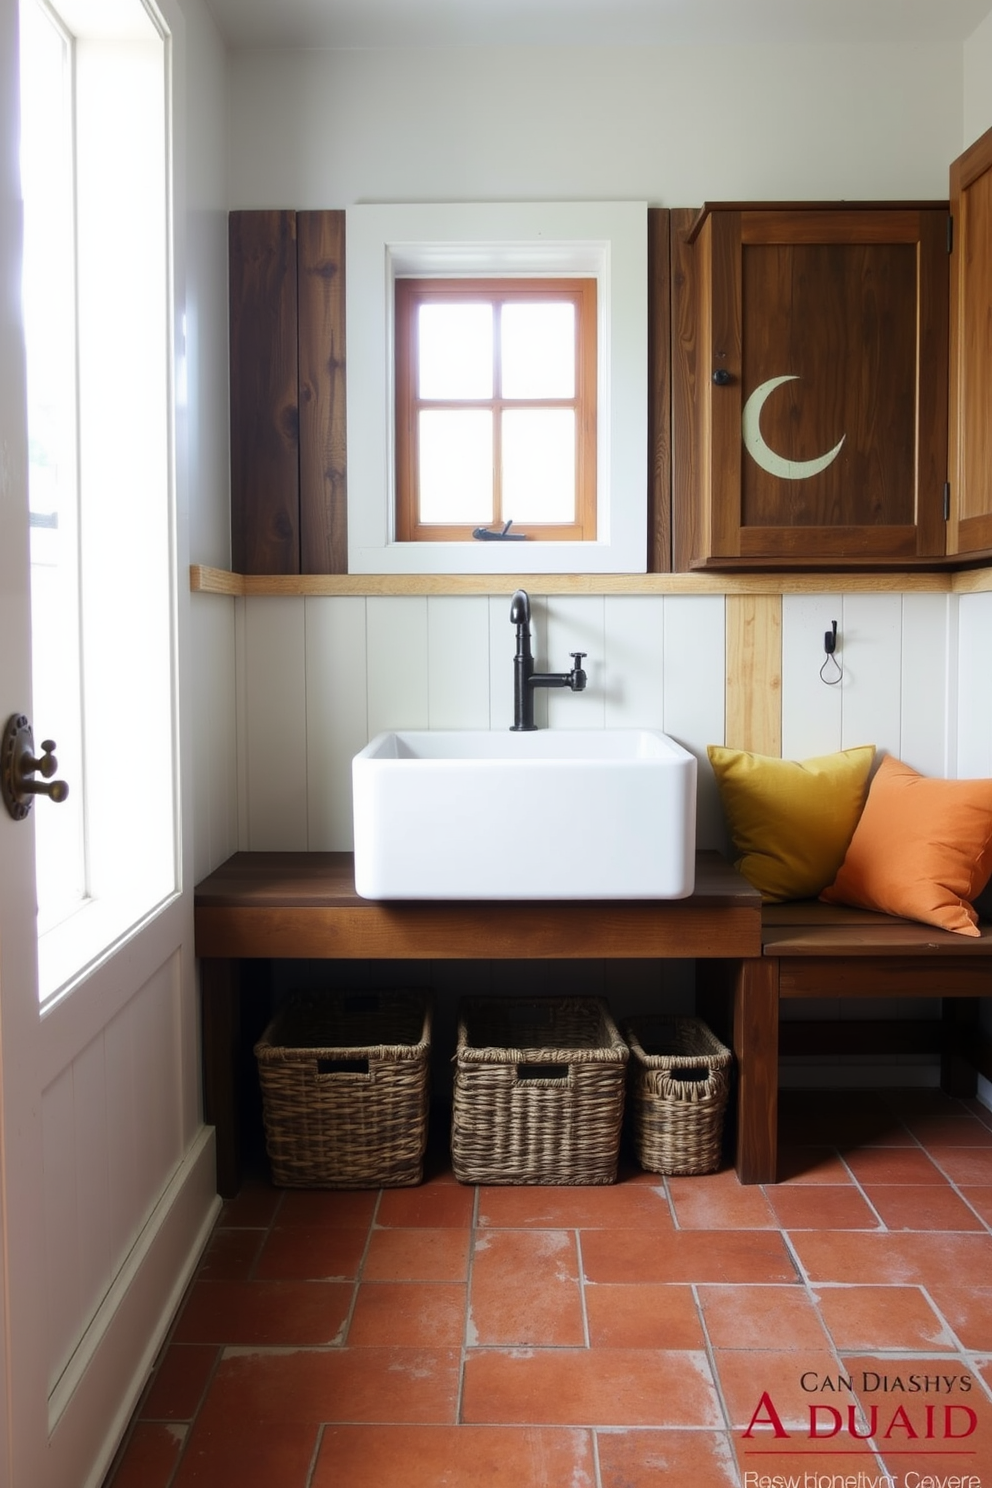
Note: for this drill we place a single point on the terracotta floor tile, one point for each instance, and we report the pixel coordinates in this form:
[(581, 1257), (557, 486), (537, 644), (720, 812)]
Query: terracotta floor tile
[(717, 1201), (819, 1207), (743, 1317), (872, 1165), (859, 1317), (310, 1386), (149, 1457), (525, 1289), (417, 1255), (687, 1255), (967, 1308), (811, 1165), (179, 1381), (347, 1209), (455, 1457), (575, 1387), (922, 1207), (652, 1315), (951, 1131), (231, 1254), (647, 1459), (408, 1314), (634, 1205), (440, 1205), (251, 1456), (966, 1166), (981, 1200), (747, 1374), (891, 1258), (311, 1253), (265, 1313), (897, 1414)]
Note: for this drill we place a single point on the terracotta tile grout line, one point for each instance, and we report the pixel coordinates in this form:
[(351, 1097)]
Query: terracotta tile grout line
[(466, 1344), (581, 1277), (345, 1329), (315, 1457)]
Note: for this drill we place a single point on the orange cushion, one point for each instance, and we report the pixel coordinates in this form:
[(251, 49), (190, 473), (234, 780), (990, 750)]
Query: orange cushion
[(922, 849)]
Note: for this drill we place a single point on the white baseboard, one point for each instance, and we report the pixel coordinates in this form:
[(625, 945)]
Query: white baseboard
[(94, 1399)]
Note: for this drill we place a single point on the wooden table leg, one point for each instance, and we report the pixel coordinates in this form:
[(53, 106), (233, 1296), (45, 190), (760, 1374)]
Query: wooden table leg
[(221, 1025), (756, 1047)]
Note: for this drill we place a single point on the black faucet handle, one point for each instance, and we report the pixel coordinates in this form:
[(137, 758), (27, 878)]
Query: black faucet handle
[(578, 656), (577, 680)]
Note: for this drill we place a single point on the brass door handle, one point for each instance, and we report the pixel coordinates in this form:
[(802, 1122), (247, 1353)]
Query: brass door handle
[(18, 766)]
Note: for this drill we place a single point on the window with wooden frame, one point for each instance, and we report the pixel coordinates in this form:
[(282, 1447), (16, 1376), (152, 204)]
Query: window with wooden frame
[(495, 388)]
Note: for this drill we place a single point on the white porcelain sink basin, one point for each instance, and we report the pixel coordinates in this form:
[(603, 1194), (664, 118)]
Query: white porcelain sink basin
[(567, 814)]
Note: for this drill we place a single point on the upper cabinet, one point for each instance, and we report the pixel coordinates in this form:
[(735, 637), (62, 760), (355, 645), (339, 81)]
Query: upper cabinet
[(809, 370), (969, 530)]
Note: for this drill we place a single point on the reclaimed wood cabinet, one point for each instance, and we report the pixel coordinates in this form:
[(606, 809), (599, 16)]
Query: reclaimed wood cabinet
[(969, 530), (809, 369)]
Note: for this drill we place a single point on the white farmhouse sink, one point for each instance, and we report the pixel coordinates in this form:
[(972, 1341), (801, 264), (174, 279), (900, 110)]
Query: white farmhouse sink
[(567, 814)]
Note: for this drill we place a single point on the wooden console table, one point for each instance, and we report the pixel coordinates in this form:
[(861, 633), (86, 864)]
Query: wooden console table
[(262, 905)]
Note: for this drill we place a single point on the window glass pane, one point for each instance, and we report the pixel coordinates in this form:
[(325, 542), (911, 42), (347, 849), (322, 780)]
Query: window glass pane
[(49, 322), (539, 465), (456, 465), (537, 347), (455, 351)]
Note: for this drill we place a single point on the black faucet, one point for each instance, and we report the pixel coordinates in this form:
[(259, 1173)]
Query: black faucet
[(525, 679)]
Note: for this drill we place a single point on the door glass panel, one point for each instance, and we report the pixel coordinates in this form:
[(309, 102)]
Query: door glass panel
[(539, 465), (50, 319), (456, 465), (455, 351), (537, 347)]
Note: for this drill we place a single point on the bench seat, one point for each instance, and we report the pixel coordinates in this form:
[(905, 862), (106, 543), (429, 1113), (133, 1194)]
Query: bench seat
[(815, 950)]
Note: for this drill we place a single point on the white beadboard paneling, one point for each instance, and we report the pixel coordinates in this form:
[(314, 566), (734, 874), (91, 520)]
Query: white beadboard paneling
[(926, 624), (337, 717), (575, 623), (397, 661), (65, 1310), (871, 655), (694, 651), (214, 731), (275, 724), (633, 690), (812, 713), (974, 715), (458, 662), (502, 646)]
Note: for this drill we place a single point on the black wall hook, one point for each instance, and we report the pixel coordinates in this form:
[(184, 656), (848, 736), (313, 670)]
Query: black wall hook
[(830, 647)]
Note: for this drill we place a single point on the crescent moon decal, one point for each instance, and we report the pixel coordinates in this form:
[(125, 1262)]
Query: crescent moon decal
[(763, 454)]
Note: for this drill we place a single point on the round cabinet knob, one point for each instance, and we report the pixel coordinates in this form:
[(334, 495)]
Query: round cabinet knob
[(722, 377)]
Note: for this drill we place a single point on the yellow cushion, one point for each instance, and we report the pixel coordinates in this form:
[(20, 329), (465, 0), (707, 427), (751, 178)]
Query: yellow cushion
[(791, 821), (922, 849)]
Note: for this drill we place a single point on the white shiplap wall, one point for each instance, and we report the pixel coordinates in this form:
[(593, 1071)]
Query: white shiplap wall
[(318, 677)]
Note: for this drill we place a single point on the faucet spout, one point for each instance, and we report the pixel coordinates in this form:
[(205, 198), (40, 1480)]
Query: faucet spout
[(525, 679)]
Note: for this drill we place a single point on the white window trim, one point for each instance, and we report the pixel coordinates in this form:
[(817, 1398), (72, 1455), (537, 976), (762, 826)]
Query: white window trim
[(605, 239)]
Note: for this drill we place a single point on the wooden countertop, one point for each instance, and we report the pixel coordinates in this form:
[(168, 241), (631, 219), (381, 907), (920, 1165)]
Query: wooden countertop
[(302, 904)]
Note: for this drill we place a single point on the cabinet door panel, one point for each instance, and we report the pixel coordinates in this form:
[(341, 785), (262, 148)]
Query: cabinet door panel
[(970, 463), (820, 423)]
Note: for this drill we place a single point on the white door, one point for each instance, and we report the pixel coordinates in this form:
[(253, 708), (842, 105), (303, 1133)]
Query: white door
[(97, 1118)]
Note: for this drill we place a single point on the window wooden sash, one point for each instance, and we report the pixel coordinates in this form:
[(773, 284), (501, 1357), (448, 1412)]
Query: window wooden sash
[(410, 295)]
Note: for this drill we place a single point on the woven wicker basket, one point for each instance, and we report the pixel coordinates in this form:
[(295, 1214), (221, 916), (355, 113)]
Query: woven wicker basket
[(538, 1091), (679, 1079), (345, 1090)]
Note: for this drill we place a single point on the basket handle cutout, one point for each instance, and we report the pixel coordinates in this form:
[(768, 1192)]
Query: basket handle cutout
[(557, 1074), (700, 1073), (342, 1066)]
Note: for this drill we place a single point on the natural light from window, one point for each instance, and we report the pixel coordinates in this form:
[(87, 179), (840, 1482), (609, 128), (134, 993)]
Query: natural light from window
[(97, 309)]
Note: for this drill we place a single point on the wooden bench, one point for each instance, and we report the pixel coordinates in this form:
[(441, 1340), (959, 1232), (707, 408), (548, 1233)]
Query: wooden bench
[(275, 905), (819, 950)]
